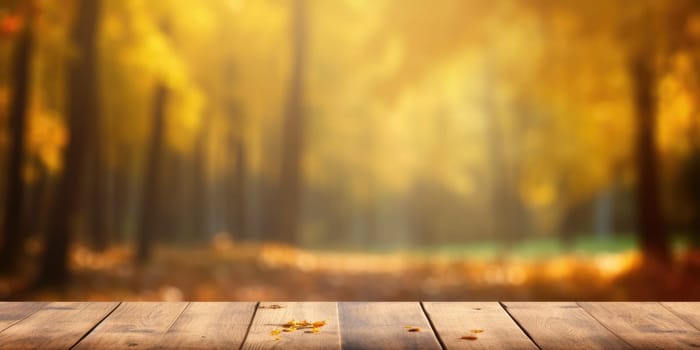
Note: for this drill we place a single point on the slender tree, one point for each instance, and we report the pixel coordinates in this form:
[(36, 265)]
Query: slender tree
[(652, 232), (150, 190), (98, 228), (122, 200), (15, 188), (199, 185), (236, 190), (646, 56), (290, 184), (81, 105), (95, 164)]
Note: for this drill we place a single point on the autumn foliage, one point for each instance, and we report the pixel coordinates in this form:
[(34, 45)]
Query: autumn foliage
[(349, 149)]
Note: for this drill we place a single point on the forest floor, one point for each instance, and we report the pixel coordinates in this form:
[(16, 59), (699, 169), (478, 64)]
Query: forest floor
[(227, 270)]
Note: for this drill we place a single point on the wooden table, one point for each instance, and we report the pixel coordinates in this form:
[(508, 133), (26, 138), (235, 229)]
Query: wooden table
[(350, 325)]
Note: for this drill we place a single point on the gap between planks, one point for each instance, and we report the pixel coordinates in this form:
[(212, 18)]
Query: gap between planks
[(95, 326), (432, 326), (529, 336), (250, 325)]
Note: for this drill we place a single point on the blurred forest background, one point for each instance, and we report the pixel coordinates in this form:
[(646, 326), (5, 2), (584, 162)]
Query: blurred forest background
[(349, 149)]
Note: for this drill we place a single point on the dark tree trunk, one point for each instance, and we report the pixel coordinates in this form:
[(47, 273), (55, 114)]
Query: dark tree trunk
[(652, 233), (38, 196), (149, 202), (289, 192), (98, 229), (236, 193), (12, 225), (173, 216), (199, 179), (96, 166), (81, 104), (236, 203), (690, 173), (123, 190)]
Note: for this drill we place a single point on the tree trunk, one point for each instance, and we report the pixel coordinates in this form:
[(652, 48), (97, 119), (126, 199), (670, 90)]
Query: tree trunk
[(200, 188), (149, 203), (236, 194), (289, 191), (38, 196), (122, 191), (652, 233), (12, 225), (98, 229), (690, 173), (81, 104)]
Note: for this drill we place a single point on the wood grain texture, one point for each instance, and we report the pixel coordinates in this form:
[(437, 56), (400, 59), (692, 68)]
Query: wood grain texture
[(13, 312), (55, 326), (645, 325), (353, 325), (688, 311), (563, 325), (134, 325), (210, 325), (268, 319), (452, 321), (381, 325)]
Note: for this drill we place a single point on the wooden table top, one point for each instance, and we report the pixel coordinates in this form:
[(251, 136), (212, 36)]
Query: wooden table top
[(350, 325)]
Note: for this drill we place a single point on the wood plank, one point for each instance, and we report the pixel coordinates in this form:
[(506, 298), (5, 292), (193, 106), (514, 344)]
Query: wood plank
[(12, 312), (55, 326), (646, 325), (268, 319), (134, 325), (381, 325), (562, 325), (452, 321), (688, 311), (210, 325)]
